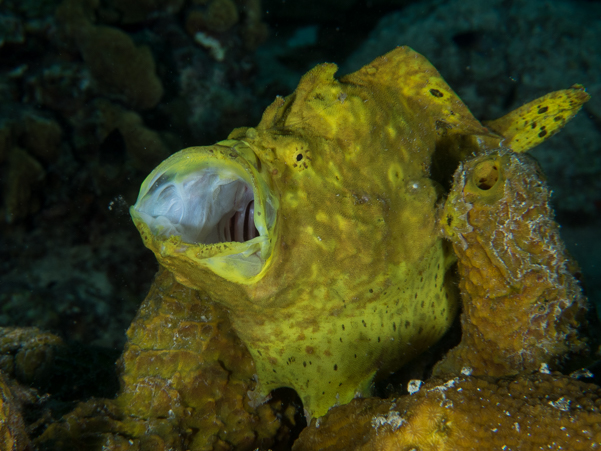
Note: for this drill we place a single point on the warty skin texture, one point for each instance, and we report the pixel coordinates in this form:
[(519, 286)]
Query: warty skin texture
[(350, 275), (355, 280)]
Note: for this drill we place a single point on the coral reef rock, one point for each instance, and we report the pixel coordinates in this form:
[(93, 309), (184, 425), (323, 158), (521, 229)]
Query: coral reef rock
[(529, 412)]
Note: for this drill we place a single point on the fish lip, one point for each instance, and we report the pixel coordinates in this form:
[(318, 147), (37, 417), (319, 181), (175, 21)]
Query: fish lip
[(234, 161)]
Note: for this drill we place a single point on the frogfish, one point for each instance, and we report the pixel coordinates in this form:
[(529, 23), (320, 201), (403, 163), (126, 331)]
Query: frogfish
[(317, 229)]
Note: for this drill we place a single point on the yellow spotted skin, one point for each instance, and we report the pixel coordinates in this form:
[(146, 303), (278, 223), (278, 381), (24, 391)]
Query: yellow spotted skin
[(356, 281), (536, 121)]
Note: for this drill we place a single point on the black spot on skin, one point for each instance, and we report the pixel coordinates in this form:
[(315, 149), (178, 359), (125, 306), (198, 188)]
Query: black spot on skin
[(340, 339), (343, 327), (305, 364), (422, 304), (378, 339), (274, 371), (394, 326), (355, 355), (299, 157), (407, 324), (533, 125), (336, 367), (436, 93), (371, 290), (542, 133), (558, 118), (543, 110)]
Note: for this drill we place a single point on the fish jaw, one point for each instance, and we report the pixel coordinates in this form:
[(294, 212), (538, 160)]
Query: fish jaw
[(209, 208)]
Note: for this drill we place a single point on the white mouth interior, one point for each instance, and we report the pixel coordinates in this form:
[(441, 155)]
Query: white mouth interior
[(208, 206)]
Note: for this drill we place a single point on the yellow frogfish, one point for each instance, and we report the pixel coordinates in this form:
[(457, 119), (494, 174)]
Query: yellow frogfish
[(317, 229)]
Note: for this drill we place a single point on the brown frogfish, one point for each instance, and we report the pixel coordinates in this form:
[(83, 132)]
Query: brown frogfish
[(317, 229)]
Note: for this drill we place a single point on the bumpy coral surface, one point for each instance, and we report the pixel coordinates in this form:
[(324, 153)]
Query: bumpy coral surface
[(343, 272), (185, 384), (529, 412), (521, 303)]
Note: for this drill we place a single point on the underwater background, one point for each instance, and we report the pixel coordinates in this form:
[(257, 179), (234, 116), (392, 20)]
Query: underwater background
[(94, 94)]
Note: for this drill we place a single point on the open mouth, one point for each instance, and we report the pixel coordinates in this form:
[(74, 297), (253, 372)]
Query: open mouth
[(241, 225), (204, 207), (209, 206)]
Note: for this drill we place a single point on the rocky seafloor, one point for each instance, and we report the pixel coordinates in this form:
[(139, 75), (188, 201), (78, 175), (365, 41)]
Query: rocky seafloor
[(93, 95)]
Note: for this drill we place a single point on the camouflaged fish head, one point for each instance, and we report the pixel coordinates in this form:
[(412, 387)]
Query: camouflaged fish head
[(317, 229)]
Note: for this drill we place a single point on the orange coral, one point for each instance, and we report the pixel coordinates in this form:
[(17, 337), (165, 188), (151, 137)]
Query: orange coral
[(522, 304), (528, 412), (185, 383)]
